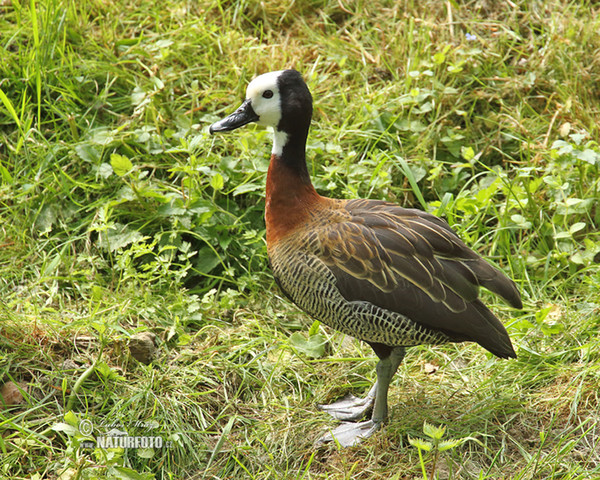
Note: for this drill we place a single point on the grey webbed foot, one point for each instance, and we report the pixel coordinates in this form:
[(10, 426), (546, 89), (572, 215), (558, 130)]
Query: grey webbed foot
[(350, 434), (351, 408)]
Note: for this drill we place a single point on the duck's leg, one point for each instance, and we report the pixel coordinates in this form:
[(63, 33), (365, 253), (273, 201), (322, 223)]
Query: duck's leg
[(348, 434)]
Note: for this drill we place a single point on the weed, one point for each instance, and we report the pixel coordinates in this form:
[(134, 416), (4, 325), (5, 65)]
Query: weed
[(435, 446)]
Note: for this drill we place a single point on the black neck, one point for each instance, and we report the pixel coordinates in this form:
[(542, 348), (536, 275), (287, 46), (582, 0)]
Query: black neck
[(293, 156)]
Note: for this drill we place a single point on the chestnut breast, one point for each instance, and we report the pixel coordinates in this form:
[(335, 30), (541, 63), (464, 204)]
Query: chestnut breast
[(291, 202)]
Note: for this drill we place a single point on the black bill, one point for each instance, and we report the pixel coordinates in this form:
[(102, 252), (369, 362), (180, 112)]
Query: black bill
[(242, 116)]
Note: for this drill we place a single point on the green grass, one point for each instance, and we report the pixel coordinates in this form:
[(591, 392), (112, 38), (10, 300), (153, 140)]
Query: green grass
[(119, 214)]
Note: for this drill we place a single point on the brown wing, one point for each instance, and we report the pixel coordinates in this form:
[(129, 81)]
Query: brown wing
[(413, 263)]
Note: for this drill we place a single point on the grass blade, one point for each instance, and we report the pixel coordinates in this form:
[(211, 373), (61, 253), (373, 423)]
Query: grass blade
[(9, 106)]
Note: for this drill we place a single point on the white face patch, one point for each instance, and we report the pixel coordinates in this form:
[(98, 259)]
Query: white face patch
[(265, 98)]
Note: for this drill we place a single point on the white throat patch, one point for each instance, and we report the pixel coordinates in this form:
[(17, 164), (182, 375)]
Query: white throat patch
[(279, 141)]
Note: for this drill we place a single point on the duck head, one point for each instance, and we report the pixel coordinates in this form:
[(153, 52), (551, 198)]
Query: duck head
[(280, 100)]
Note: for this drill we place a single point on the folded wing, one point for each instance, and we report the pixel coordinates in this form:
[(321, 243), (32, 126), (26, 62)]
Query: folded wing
[(413, 263)]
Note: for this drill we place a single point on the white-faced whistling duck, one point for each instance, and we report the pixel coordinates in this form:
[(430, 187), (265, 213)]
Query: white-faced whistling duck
[(391, 276)]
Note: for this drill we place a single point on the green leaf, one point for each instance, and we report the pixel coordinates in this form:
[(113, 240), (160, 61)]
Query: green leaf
[(313, 347), (217, 182), (439, 58), (87, 152), (124, 473), (99, 327), (169, 210), (121, 165), (69, 426), (577, 258), (314, 328), (102, 136), (457, 67), (589, 156), (577, 137), (247, 187), (448, 444), (103, 369), (575, 205), (207, 260), (201, 206), (467, 153), (97, 293), (158, 83), (118, 237), (145, 452), (420, 444), (45, 219), (105, 170), (71, 418), (433, 432), (137, 96), (559, 235), (542, 313), (66, 428), (552, 329), (521, 221)]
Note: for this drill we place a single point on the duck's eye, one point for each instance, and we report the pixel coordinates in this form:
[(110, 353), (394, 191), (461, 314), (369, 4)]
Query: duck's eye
[(267, 94)]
